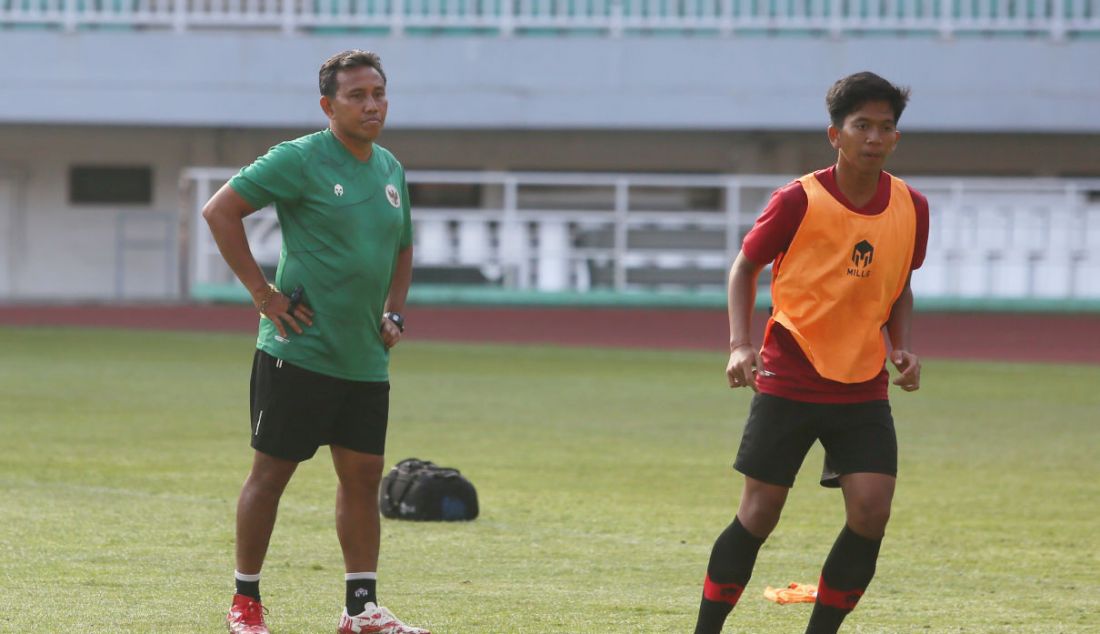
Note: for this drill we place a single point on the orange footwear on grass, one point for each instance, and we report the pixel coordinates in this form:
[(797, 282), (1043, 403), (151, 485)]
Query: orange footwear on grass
[(794, 593)]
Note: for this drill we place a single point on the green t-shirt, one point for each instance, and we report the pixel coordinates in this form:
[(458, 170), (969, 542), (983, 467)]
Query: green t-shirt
[(343, 222)]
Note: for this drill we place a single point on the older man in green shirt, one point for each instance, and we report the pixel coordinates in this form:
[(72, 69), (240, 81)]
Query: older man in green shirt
[(320, 374)]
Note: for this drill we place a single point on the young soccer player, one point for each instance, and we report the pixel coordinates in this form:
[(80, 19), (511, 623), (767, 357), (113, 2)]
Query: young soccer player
[(843, 242)]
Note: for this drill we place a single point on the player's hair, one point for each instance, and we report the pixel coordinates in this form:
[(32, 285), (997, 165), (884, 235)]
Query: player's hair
[(355, 58), (848, 94)]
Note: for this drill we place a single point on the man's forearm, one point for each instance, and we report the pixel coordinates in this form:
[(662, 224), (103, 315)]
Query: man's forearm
[(741, 295), (901, 319), (230, 237), (399, 284)]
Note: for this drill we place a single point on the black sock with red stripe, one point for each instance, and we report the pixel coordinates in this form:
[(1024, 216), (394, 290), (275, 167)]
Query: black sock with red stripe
[(731, 561), (844, 578)]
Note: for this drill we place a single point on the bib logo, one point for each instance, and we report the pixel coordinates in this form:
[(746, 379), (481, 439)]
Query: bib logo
[(393, 196), (338, 190), (862, 255)]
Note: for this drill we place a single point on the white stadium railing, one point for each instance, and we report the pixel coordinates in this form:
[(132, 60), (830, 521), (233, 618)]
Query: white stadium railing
[(990, 239), (1055, 18)]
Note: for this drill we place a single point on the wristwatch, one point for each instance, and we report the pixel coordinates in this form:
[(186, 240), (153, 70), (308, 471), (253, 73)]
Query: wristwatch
[(397, 320)]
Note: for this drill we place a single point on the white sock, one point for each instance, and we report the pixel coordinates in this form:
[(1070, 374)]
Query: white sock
[(356, 576)]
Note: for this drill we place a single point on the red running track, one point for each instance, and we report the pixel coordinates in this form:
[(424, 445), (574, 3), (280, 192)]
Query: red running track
[(1071, 338)]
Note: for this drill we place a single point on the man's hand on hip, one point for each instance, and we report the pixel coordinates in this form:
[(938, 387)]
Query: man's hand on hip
[(277, 307), (391, 334)]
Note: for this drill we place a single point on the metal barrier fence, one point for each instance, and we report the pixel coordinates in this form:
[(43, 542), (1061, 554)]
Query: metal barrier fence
[(1054, 18), (991, 239)]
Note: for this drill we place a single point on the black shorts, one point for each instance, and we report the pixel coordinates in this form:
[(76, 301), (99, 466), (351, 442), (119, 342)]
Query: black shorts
[(295, 411), (858, 438)]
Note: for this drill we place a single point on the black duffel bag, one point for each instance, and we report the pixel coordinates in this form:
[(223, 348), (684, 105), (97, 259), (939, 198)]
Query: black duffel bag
[(422, 490)]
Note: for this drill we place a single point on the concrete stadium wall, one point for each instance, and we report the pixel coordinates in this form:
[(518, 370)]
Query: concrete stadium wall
[(54, 249), (664, 83), (997, 107)]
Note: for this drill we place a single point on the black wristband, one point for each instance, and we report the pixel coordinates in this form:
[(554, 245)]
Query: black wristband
[(397, 320), (295, 298)]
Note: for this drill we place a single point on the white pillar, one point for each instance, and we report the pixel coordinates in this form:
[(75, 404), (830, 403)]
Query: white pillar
[(473, 241), (433, 246), (553, 255)]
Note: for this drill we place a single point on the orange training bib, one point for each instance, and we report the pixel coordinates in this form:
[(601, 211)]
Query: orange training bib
[(836, 284)]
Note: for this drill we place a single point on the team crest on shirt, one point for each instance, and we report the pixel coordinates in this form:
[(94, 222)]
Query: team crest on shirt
[(393, 196), (338, 190)]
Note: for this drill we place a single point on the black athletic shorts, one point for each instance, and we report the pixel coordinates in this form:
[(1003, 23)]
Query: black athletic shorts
[(295, 411), (858, 438)]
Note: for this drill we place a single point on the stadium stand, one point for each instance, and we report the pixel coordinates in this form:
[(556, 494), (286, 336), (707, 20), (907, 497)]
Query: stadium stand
[(570, 148), (993, 239), (1058, 19)]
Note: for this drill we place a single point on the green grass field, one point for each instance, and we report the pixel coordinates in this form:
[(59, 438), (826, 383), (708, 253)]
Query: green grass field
[(603, 477)]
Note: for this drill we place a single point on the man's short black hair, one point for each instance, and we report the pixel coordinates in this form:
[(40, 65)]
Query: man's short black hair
[(345, 60), (848, 94)]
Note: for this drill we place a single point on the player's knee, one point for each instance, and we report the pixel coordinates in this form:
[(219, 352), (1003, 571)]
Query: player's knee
[(371, 481), (265, 485), (760, 515), (372, 473), (363, 476), (868, 517)]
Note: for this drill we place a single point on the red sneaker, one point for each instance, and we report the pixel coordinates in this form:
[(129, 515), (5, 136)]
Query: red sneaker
[(246, 616)]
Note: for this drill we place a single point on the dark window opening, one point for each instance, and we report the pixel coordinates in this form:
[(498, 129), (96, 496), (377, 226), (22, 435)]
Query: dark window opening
[(110, 185), (458, 195)]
